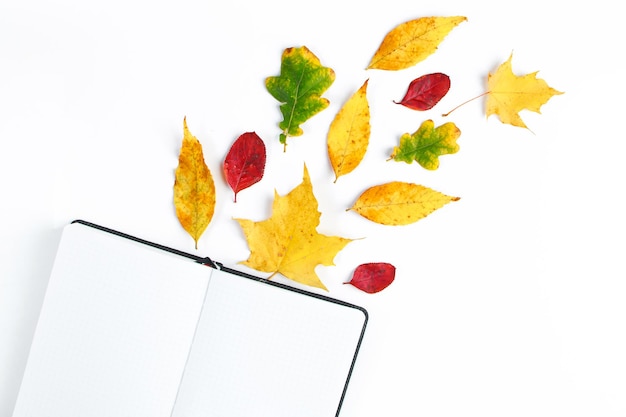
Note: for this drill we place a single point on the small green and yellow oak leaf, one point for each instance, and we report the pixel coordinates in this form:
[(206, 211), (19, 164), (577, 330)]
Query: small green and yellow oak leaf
[(508, 94), (349, 133), (299, 88), (399, 203), (194, 189), (427, 144), (412, 42), (288, 242)]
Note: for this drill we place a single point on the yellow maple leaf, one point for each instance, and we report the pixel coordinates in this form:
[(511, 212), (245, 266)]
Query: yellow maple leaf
[(349, 133), (288, 242), (508, 94), (413, 41), (399, 203), (194, 189)]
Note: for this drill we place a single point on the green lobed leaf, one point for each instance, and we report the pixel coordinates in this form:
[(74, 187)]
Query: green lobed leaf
[(299, 89), (427, 144)]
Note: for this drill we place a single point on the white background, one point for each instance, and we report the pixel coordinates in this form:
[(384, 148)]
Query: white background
[(507, 302)]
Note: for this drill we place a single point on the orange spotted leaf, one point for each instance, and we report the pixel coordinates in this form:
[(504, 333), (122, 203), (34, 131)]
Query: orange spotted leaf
[(194, 189), (399, 203), (412, 42)]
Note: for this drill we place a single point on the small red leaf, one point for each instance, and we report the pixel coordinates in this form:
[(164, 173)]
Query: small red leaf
[(373, 277), (426, 91), (244, 164)]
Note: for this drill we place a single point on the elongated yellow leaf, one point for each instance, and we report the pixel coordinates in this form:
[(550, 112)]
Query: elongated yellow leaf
[(194, 189), (399, 203), (412, 42), (349, 133)]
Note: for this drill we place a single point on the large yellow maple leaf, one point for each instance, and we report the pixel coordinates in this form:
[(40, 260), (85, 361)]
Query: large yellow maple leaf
[(288, 242), (508, 94)]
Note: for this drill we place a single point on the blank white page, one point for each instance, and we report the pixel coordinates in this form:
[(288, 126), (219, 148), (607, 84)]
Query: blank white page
[(115, 329), (265, 351)]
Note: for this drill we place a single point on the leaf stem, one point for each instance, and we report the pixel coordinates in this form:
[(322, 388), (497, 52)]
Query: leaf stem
[(465, 102)]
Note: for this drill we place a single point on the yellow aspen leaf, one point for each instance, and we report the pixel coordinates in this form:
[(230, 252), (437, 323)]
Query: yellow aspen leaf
[(288, 242), (349, 133), (194, 189), (508, 94), (412, 42), (399, 203)]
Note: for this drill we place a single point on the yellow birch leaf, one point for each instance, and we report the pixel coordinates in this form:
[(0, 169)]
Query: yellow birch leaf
[(412, 42), (288, 242), (194, 189), (508, 94), (349, 133), (399, 203)]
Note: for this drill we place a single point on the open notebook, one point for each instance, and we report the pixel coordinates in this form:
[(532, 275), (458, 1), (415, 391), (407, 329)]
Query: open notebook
[(133, 329)]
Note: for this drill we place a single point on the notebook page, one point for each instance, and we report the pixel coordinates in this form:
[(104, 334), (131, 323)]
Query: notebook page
[(264, 351), (115, 329)]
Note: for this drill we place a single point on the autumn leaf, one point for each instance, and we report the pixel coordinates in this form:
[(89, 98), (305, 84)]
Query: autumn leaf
[(373, 277), (508, 94), (299, 89), (288, 242), (426, 91), (194, 189), (399, 203), (427, 144), (349, 133), (412, 42), (244, 164)]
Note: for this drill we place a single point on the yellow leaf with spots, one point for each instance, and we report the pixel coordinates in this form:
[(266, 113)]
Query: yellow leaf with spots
[(349, 134), (399, 203), (288, 242), (194, 189), (412, 42), (508, 94)]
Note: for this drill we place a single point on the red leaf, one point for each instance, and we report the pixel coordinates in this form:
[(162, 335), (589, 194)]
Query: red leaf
[(244, 164), (426, 91), (373, 277)]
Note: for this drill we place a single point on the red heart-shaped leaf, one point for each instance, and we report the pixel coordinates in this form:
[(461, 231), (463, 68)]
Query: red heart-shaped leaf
[(373, 277), (426, 91), (244, 164)]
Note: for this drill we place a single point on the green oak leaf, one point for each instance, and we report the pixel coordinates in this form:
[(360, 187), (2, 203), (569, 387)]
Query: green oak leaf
[(427, 144), (299, 89)]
